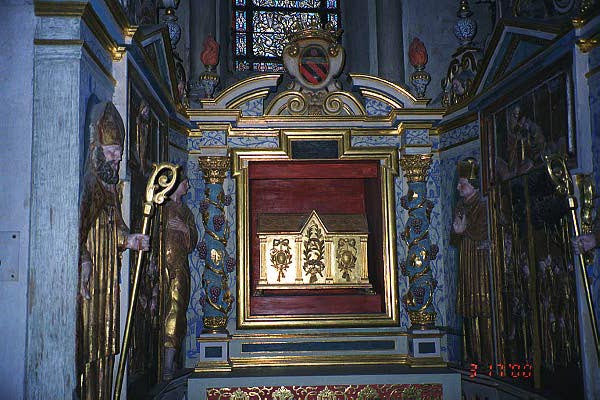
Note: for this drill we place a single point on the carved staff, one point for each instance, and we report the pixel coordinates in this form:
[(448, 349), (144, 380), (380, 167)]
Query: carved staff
[(161, 182), (557, 169)]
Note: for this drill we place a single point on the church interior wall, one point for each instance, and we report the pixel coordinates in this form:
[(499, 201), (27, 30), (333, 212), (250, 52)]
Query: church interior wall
[(355, 13), (369, 49), (390, 54), (16, 94)]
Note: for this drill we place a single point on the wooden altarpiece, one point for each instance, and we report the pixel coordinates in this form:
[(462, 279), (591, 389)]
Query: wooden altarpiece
[(532, 115)]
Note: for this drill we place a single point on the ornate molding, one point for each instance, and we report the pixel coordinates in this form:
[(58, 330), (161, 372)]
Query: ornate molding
[(416, 166), (89, 17), (432, 391), (214, 168), (458, 84)]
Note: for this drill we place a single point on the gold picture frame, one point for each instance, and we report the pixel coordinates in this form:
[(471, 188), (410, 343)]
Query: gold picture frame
[(387, 158)]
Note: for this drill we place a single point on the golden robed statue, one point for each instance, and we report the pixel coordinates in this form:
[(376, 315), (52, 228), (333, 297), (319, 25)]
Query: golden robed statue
[(473, 298), (181, 237), (102, 236)]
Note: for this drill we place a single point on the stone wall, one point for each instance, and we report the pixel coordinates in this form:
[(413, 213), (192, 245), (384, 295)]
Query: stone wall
[(16, 94)]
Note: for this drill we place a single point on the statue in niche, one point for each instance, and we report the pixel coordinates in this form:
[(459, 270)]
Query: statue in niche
[(181, 237), (102, 236), (473, 299)]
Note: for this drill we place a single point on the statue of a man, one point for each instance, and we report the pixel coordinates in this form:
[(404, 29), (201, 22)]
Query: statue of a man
[(473, 299), (102, 236), (181, 237)]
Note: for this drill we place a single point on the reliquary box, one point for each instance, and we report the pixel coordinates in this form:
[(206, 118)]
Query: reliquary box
[(312, 251)]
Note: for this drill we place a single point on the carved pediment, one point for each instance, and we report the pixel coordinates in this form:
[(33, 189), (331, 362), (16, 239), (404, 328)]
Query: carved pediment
[(151, 47), (513, 44)]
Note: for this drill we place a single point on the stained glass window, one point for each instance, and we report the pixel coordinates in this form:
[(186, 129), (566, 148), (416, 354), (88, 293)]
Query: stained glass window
[(259, 29)]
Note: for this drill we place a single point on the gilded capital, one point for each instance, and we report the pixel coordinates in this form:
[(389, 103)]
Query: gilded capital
[(214, 168), (416, 166)]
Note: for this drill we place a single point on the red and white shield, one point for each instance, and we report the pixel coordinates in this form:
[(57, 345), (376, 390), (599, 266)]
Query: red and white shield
[(314, 64)]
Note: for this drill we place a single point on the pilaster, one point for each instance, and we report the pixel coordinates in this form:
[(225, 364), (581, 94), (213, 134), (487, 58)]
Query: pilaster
[(57, 151), (217, 300), (418, 301)]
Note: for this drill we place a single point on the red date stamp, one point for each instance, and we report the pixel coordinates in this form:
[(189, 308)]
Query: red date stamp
[(510, 370)]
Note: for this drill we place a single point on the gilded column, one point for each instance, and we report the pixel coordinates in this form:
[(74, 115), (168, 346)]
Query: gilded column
[(418, 301), (217, 300)]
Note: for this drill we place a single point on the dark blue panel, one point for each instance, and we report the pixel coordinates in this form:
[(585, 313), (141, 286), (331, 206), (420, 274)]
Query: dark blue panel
[(427, 348), (320, 346), (213, 352), (312, 149)]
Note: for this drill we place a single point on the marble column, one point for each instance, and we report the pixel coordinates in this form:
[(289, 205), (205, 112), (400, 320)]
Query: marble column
[(418, 301), (217, 299)]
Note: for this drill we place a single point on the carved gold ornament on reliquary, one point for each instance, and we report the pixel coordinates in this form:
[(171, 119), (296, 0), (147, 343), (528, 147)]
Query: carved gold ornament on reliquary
[(300, 251)]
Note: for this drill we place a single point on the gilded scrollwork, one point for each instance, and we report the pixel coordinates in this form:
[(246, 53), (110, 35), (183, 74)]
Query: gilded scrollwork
[(458, 84), (333, 104), (411, 391), (314, 253), (297, 104), (346, 257), (281, 257), (587, 211)]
